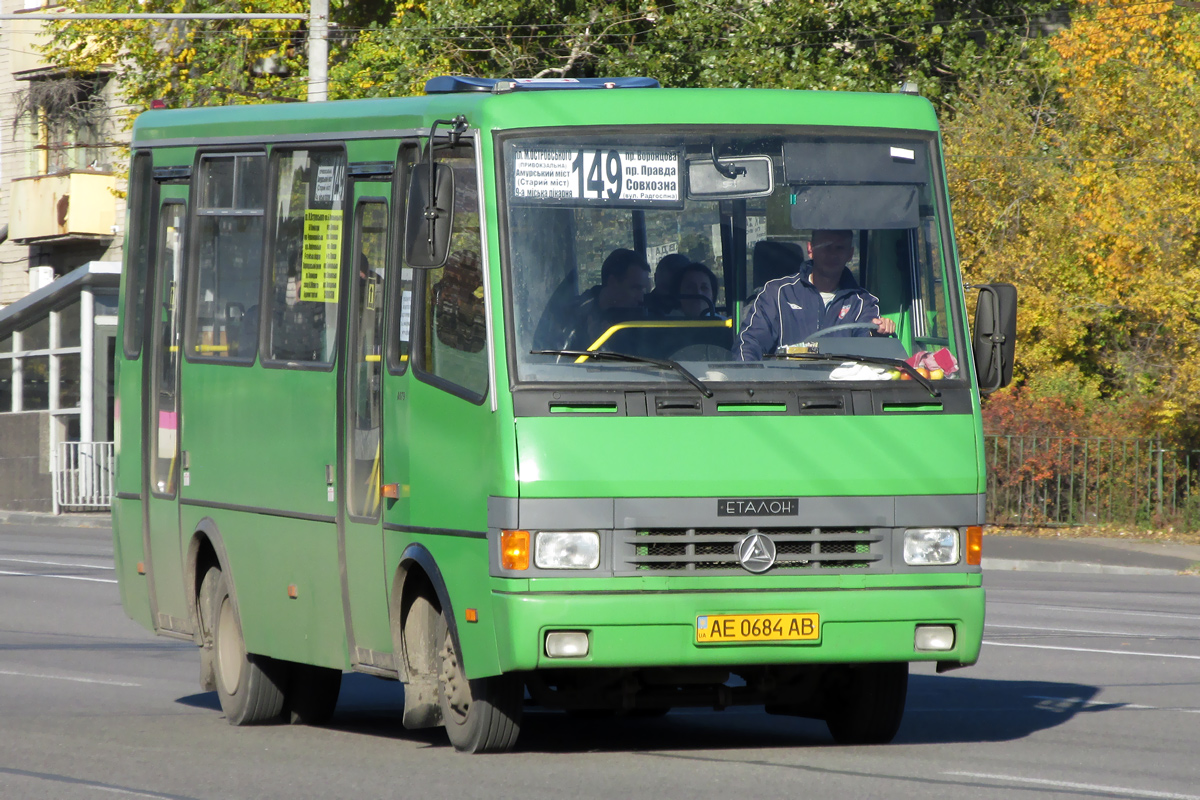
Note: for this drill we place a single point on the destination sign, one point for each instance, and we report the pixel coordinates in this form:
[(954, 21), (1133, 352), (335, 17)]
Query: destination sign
[(611, 176)]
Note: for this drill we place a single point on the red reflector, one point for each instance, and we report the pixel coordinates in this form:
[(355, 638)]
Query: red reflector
[(158, 103)]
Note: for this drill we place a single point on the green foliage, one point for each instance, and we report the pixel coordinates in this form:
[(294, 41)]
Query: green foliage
[(194, 63), (861, 45)]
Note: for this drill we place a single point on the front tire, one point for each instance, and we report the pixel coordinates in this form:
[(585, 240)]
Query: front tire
[(867, 707), (250, 687), (481, 715)]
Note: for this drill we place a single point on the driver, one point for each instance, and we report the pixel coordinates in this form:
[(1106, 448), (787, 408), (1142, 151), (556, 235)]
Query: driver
[(821, 295)]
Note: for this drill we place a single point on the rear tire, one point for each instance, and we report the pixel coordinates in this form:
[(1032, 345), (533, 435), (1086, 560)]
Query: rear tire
[(250, 687), (481, 715), (868, 707), (206, 613), (312, 694)]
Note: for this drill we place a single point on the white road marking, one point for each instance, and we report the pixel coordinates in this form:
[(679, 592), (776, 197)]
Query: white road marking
[(1090, 787), (64, 577), (1078, 630), (1091, 650), (72, 678), (54, 563), (1084, 610), (1135, 706)]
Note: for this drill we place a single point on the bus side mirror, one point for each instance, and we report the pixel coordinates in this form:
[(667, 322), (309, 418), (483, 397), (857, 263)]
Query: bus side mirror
[(995, 335), (430, 217)]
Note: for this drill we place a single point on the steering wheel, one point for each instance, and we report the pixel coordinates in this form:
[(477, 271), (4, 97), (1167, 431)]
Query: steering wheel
[(847, 326), (712, 307)]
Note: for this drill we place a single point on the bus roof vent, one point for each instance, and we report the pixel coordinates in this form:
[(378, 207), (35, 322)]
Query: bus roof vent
[(451, 84)]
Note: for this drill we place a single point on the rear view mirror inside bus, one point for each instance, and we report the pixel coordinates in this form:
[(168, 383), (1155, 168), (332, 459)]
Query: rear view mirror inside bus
[(730, 178), (430, 218)]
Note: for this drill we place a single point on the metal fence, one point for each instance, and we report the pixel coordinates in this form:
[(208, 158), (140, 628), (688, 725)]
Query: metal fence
[(83, 476), (1071, 480)]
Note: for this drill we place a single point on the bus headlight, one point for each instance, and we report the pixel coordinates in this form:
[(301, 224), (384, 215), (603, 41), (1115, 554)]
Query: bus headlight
[(567, 550), (925, 546)]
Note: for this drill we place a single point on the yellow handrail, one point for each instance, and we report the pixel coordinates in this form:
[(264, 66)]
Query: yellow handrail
[(655, 323)]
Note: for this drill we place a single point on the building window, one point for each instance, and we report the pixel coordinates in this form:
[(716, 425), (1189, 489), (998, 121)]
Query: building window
[(68, 123)]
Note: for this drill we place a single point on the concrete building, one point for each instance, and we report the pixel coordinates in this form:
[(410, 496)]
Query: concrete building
[(62, 164)]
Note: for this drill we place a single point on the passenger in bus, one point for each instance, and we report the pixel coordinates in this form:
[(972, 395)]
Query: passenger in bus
[(662, 300), (621, 295), (695, 288), (821, 295)]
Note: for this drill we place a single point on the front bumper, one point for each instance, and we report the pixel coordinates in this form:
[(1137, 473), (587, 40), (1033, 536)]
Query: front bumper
[(637, 628)]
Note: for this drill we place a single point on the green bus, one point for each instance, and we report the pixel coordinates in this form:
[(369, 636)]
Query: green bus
[(379, 411)]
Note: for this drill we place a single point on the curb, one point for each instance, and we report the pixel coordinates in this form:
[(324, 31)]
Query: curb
[(95, 521), (1074, 567)]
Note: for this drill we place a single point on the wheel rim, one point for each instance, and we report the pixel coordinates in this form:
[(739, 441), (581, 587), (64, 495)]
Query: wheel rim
[(229, 648), (454, 684)]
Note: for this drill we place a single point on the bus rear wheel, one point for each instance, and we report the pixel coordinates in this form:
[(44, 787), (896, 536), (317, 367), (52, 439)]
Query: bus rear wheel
[(868, 705), (481, 715), (250, 687)]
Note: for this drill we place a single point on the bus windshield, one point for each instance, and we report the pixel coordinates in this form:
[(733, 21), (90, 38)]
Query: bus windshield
[(752, 257)]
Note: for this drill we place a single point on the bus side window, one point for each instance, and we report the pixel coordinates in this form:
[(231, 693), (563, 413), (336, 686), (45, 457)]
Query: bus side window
[(223, 322), (455, 327), (306, 262)]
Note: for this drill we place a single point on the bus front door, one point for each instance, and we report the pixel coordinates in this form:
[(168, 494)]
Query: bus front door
[(361, 450), (162, 471)]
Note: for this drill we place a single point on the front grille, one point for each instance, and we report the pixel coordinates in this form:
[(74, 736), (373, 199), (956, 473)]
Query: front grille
[(714, 550)]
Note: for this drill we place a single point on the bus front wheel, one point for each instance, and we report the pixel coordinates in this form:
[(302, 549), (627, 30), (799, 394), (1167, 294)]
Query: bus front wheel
[(481, 715), (868, 704), (250, 687)]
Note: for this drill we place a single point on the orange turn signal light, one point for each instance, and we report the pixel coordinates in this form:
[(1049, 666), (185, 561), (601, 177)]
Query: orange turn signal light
[(293, 591), (514, 549), (390, 491), (974, 545), (472, 615), (141, 567)]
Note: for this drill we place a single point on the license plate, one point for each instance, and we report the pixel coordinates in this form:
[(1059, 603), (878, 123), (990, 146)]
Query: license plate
[(720, 628)]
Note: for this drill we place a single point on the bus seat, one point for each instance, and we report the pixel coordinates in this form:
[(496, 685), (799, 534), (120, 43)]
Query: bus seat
[(557, 320), (773, 260)]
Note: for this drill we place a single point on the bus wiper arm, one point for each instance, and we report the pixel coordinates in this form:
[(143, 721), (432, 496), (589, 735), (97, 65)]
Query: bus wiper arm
[(610, 355), (897, 363)]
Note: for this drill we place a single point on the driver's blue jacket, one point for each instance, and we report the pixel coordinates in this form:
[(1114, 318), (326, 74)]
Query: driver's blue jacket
[(789, 310)]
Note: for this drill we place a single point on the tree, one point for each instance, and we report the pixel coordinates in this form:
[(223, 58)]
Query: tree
[(388, 47), (1089, 199), (189, 63)]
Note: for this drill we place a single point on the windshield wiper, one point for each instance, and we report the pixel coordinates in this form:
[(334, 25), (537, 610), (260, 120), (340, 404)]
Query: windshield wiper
[(897, 363), (609, 355)]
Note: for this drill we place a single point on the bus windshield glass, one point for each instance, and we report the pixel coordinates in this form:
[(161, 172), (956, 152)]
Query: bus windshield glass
[(746, 257)]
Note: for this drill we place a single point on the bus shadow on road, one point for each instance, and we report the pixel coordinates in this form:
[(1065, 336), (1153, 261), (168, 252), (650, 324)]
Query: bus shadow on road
[(945, 709), (941, 710)]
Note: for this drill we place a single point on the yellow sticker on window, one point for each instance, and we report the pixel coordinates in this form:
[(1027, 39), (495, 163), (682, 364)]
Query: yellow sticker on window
[(322, 259)]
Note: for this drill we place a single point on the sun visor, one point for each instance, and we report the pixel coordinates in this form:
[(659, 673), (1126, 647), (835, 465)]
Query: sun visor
[(874, 161), (855, 207)]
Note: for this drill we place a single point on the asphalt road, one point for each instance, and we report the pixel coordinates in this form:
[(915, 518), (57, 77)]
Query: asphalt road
[(1089, 686)]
